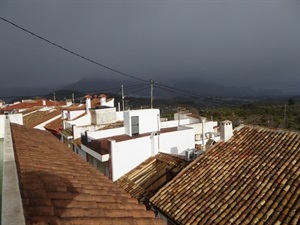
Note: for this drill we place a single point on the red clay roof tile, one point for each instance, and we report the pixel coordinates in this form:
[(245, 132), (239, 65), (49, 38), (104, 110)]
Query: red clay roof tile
[(33, 103), (58, 187), (145, 180), (252, 178), (39, 117)]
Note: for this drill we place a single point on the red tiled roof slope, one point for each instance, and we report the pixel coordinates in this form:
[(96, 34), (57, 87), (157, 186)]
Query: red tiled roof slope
[(55, 125), (39, 117), (57, 187), (33, 103), (147, 178), (254, 178)]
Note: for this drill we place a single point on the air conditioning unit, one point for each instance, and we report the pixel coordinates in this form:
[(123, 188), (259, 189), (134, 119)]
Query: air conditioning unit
[(190, 154)]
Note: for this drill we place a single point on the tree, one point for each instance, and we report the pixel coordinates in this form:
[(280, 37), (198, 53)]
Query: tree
[(291, 101)]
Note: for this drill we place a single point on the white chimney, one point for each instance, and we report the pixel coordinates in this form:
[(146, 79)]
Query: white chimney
[(88, 103), (226, 130), (68, 102), (44, 102), (102, 99)]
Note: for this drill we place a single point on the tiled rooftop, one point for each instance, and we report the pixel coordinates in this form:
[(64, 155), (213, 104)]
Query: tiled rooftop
[(147, 178), (55, 125), (58, 187), (254, 178), (38, 117), (33, 103)]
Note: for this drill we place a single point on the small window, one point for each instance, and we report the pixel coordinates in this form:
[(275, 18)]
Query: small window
[(134, 125)]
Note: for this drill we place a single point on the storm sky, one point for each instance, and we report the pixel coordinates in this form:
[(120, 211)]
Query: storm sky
[(239, 43)]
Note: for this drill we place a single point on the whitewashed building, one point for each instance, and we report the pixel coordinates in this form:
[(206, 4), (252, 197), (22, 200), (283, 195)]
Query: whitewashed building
[(117, 151), (96, 114)]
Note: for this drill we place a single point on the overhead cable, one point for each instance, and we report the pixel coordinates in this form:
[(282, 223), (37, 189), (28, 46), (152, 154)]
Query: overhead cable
[(74, 53), (162, 86)]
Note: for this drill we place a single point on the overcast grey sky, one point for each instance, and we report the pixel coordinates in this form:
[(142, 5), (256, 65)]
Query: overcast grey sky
[(232, 42)]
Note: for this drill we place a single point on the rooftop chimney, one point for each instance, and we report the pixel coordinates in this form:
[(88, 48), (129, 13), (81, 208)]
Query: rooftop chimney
[(102, 99), (88, 103), (68, 102), (226, 131)]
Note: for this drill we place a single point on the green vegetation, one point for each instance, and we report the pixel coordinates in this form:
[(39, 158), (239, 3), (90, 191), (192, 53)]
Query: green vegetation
[(276, 115)]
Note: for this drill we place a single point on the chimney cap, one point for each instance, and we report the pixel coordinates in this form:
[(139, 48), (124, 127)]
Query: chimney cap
[(87, 96), (102, 96)]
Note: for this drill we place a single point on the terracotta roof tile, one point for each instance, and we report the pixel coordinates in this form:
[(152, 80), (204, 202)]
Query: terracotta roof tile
[(39, 117), (58, 187), (33, 103), (145, 180), (252, 178), (55, 125)]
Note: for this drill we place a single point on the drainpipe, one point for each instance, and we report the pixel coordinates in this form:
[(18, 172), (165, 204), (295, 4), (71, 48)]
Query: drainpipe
[(203, 135)]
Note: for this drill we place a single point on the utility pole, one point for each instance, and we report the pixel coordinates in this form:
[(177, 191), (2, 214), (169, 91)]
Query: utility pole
[(122, 97), (284, 115), (73, 100), (151, 92), (203, 134), (54, 99)]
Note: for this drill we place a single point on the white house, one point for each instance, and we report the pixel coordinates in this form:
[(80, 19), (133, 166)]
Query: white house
[(13, 118), (205, 132), (117, 147), (96, 114), (117, 151)]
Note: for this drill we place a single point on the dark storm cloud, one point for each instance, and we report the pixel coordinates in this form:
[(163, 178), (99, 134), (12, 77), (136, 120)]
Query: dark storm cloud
[(238, 43)]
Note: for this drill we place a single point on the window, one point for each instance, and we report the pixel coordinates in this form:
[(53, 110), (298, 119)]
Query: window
[(134, 125)]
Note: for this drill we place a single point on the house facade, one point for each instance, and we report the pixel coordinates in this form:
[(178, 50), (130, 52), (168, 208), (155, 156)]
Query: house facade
[(252, 178), (117, 151)]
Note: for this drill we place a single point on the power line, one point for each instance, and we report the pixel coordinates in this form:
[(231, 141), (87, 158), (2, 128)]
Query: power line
[(115, 90), (188, 93), (141, 89), (177, 92), (74, 53), (160, 85)]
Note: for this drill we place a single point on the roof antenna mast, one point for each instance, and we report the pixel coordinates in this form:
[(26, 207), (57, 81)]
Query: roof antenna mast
[(151, 92)]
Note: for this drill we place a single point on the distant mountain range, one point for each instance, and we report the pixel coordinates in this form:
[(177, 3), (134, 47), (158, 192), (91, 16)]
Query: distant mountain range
[(185, 89), (175, 88)]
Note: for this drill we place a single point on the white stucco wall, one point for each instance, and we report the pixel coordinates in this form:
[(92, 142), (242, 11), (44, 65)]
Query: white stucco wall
[(92, 135), (174, 123), (13, 118), (81, 121), (64, 114), (103, 116), (128, 154), (177, 142), (78, 130), (149, 120), (16, 118), (2, 125), (110, 103), (119, 116), (102, 158), (73, 114), (208, 127)]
